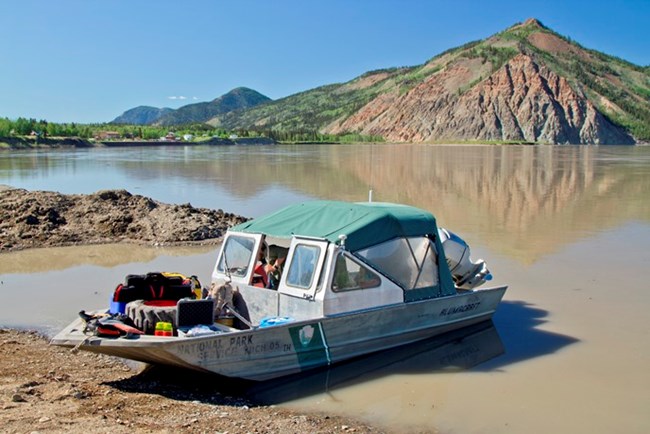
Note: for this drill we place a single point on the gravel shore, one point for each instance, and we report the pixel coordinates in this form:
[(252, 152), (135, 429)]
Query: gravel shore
[(51, 389), (47, 219)]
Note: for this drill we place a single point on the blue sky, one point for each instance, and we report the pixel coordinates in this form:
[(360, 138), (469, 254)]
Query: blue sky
[(88, 61)]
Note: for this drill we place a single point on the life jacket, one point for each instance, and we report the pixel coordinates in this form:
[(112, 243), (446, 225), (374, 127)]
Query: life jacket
[(260, 278)]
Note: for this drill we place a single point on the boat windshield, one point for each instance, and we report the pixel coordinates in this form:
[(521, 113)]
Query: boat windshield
[(411, 262), (236, 255), (303, 265)]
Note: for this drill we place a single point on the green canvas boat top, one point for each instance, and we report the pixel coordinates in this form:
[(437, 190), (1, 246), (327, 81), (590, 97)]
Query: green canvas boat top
[(364, 223)]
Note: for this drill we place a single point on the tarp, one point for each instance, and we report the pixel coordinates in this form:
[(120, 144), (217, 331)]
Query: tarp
[(364, 223)]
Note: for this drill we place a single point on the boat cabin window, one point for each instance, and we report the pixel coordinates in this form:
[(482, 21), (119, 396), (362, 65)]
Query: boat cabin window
[(350, 274), (302, 267), (236, 256), (411, 262)]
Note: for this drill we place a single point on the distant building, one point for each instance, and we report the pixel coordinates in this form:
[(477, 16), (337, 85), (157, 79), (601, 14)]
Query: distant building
[(107, 135), (188, 137), (170, 137)]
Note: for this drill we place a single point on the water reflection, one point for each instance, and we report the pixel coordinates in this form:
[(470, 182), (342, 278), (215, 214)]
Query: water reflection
[(103, 255), (523, 201), (454, 351), (477, 348)]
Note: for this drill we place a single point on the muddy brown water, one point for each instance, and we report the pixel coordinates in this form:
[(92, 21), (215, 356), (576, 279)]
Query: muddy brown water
[(567, 228)]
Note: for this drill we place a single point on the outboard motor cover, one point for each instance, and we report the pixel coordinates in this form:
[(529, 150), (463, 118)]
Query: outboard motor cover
[(467, 274)]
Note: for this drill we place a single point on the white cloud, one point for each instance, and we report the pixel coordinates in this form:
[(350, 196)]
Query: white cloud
[(177, 97)]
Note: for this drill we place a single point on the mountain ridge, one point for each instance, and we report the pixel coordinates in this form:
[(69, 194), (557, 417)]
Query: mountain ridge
[(526, 83), (236, 99), (468, 93), (141, 115)]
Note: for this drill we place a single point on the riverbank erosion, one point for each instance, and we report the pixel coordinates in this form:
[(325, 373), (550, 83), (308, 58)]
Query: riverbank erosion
[(47, 219), (52, 389)]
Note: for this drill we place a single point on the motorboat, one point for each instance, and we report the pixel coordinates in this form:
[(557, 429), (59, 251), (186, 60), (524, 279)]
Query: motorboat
[(310, 285)]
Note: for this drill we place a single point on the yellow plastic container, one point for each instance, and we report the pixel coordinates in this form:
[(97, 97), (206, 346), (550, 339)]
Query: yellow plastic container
[(227, 320), (168, 330), (164, 329)]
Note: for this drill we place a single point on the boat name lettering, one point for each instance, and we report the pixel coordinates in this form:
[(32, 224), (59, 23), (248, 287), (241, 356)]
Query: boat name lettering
[(458, 309), (195, 347), (263, 347), (241, 341)]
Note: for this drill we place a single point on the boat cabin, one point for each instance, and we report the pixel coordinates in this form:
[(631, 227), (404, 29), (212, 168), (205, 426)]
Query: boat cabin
[(334, 258)]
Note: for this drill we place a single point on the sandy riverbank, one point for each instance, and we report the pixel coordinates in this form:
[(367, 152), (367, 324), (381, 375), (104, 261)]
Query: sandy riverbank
[(51, 389)]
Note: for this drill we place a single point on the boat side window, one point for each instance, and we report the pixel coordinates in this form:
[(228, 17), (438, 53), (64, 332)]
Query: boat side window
[(411, 262), (424, 251), (350, 274), (302, 267), (236, 255)]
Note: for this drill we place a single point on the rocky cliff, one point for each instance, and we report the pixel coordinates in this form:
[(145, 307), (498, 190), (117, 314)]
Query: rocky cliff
[(521, 101)]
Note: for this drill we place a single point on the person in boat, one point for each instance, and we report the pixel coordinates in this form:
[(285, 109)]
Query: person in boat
[(277, 257), (260, 274)]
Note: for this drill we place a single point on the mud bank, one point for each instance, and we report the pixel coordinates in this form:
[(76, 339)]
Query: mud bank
[(47, 219)]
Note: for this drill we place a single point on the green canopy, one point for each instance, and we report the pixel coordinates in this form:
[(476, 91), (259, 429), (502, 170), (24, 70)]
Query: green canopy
[(364, 223)]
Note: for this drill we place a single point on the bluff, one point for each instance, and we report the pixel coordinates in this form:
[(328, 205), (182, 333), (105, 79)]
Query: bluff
[(526, 83)]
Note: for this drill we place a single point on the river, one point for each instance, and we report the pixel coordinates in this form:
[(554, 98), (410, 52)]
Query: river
[(566, 227)]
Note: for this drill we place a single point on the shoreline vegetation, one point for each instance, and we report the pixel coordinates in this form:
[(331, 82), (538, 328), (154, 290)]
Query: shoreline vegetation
[(32, 134)]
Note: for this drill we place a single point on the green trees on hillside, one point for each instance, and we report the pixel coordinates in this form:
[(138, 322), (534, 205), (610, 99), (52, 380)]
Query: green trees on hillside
[(316, 137), (22, 127)]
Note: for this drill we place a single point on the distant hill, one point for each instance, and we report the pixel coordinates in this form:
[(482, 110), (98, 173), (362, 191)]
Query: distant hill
[(142, 115), (239, 98), (526, 83)]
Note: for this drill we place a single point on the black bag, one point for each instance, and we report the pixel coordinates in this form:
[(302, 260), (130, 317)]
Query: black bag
[(153, 286)]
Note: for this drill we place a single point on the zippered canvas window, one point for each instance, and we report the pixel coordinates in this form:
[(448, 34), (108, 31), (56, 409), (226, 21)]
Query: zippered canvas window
[(411, 262)]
